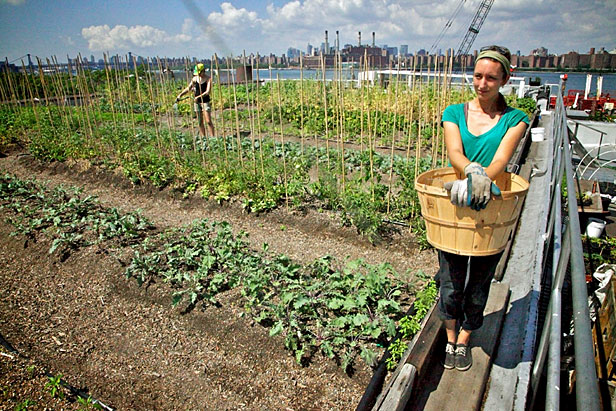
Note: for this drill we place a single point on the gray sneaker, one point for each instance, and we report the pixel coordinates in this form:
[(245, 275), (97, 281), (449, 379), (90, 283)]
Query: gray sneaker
[(450, 356), (464, 360)]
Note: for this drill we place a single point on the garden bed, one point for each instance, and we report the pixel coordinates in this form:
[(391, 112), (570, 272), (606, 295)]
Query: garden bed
[(80, 317)]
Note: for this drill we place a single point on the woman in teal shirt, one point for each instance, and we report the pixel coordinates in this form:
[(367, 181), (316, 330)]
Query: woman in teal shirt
[(480, 136)]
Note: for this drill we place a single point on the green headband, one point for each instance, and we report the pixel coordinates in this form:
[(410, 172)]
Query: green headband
[(498, 57)]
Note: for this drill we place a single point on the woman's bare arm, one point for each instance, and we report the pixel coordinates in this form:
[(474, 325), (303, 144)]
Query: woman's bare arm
[(505, 150)]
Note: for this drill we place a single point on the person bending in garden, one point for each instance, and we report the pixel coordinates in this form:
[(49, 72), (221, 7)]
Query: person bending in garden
[(480, 137), (201, 86)]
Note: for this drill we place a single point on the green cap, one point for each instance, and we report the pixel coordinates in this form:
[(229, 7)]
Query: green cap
[(199, 69)]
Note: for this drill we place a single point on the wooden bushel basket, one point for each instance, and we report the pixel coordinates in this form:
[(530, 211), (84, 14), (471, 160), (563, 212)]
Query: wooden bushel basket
[(461, 230)]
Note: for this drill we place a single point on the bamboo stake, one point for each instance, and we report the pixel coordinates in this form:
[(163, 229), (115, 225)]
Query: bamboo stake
[(111, 101), (222, 116), (163, 96), (316, 148), (86, 97), (172, 138), (121, 93), (393, 139), (371, 137), (341, 128), (250, 113), (57, 92), (259, 122), (213, 111), (152, 102), (14, 96), (129, 93), (435, 93), (6, 99), (139, 96), (116, 89), (56, 87), (412, 110), (45, 94), (447, 102), (82, 100), (237, 119), (419, 120), (90, 100), (28, 76), (4, 95), (74, 89), (361, 115), (193, 115), (336, 109), (271, 81), (284, 157), (301, 102), (325, 109)]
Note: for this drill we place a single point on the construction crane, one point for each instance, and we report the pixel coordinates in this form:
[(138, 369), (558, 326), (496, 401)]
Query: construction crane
[(434, 47), (473, 30)]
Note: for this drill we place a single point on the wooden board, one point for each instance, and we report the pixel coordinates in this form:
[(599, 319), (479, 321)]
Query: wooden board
[(417, 354), (441, 388), (398, 395), (605, 326)]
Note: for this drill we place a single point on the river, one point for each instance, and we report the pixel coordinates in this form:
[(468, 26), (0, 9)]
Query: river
[(575, 81)]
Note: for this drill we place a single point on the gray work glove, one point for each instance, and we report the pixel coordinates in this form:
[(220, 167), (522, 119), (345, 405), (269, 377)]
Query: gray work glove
[(457, 192), (480, 187)]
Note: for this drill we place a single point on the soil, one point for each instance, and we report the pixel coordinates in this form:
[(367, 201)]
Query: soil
[(127, 346)]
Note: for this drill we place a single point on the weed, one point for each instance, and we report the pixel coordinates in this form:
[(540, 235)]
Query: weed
[(54, 385), (409, 325), (88, 404), (25, 404)]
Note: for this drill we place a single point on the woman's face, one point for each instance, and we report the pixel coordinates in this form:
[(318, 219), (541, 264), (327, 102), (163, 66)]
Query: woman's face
[(488, 78)]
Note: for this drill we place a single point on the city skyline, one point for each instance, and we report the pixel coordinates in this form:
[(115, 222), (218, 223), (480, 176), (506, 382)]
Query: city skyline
[(202, 28)]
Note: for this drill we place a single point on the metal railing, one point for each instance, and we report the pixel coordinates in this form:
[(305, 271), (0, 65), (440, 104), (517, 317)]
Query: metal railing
[(567, 252)]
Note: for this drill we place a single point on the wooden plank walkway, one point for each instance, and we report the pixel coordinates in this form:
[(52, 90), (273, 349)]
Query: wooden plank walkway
[(439, 389)]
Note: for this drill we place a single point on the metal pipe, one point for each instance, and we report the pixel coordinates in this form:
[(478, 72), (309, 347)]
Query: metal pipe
[(552, 400), (587, 391), (543, 341), (560, 257)]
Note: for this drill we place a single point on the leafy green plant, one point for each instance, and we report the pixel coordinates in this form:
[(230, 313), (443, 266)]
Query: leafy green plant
[(88, 404), (339, 312), (196, 260), (602, 251), (54, 385), (68, 218), (322, 309), (409, 325), (25, 404), (526, 104), (363, 209)]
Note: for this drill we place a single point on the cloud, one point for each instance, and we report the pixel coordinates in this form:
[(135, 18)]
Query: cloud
[(518, 24), (232, 17), (68, 40), (120, 37)]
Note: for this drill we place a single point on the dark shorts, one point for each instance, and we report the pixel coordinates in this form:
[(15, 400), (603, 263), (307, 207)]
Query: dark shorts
[(199, 107), (465, 302)]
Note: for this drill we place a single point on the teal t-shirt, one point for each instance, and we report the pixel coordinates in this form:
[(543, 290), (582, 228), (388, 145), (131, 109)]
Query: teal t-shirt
[(481, 149)]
